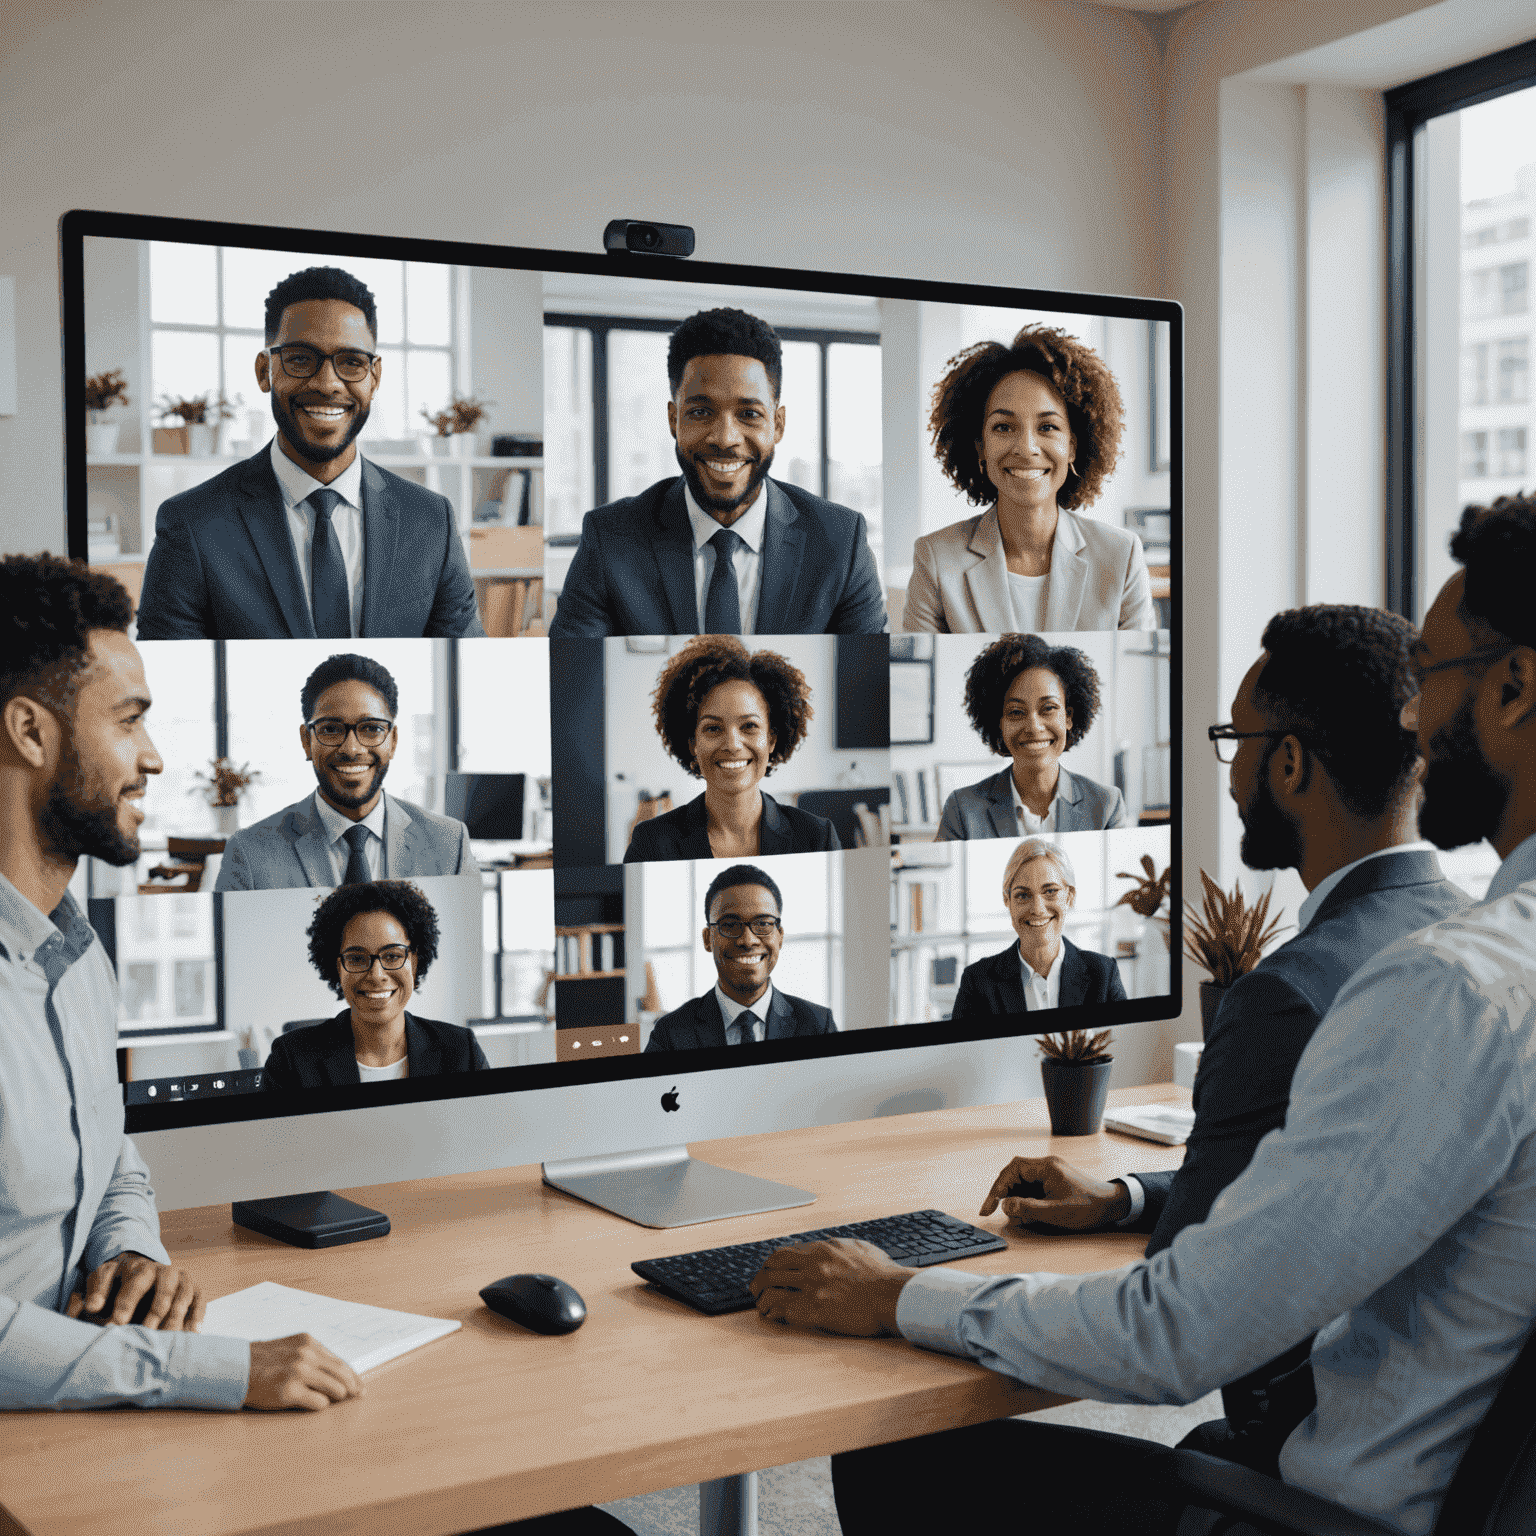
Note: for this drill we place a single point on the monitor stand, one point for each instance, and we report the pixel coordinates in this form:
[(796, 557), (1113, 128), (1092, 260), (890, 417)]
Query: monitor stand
[(319, 1220), (665, 1187)]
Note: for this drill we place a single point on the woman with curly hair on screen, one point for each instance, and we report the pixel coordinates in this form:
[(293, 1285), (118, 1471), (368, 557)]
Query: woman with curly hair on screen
[(372, 944), (1031, 701), (730, 716), (1029, 431)]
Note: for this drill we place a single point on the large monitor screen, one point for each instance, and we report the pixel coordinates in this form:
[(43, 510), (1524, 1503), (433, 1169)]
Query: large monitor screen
[(578, 667)]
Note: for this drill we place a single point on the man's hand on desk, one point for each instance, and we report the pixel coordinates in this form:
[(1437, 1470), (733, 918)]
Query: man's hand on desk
[(840, 1286), (1049, 1190), (298, 1372), (133, 1289)]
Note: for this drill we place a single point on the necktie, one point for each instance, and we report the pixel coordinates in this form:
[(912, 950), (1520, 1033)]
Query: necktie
[(356, 838), (746, 1022), (722, 602), (328, 572)]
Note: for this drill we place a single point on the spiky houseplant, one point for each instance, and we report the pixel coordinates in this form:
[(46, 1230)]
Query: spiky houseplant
[(1074, 1071), (224, 783), (1226, 939), (103, 390), (1075, 1048)]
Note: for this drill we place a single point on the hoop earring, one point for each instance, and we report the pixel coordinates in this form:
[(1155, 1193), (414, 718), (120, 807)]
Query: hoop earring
[(1072, 468)]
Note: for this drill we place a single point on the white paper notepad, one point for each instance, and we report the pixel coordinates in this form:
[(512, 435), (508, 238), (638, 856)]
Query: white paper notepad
[(1167, 1123), (363, 1336)]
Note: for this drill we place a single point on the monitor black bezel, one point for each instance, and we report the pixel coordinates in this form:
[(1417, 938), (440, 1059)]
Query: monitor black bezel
[(78, 225)]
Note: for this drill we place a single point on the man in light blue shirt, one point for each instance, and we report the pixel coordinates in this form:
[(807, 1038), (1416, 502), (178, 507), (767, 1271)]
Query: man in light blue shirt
[(80, 1251), (1394, 1212)]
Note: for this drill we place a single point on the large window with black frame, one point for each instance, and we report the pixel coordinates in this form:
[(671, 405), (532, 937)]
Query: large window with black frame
[(1462, 224)]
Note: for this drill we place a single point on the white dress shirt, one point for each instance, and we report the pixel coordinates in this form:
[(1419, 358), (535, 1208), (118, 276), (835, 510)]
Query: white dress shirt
[(336, 828), (1042, 992), (749, 528), (1392, 1213), (731, 1010), (1029, 823), (297, 485)]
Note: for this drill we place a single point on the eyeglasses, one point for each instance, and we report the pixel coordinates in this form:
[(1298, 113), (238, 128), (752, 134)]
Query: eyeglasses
[(733, 927), (359, 961), (370, 733), (1225, 739), (304, 362), (1474, 658)]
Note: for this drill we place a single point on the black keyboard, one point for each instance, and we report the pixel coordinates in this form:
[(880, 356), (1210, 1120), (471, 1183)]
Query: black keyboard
[(714, 1280)]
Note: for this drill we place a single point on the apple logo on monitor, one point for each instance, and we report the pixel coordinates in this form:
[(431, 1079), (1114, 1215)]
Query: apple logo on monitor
[(669, 1100)]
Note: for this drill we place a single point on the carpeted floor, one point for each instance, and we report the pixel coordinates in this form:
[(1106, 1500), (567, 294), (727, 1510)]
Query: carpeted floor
[(797, 1500)]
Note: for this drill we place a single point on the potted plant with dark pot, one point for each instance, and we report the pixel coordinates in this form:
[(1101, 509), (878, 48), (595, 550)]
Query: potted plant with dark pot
[(1075, 1068), (1226, 941)]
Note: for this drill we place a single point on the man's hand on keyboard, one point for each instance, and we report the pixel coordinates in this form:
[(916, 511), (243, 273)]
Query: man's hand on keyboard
[(840, 1286), (1046, 1189)]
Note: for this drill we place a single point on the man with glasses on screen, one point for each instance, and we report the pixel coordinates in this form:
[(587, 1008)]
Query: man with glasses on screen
[(1394, 1212), (722, 549), (349, 830), (307, 538), (743, 932), (92, 1311)]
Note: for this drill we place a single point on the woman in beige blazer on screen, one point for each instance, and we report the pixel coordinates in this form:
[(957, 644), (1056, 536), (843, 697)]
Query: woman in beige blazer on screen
[(1034, 429)]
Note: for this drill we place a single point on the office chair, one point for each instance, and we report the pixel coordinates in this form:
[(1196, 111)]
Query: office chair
[(1492, 1494)]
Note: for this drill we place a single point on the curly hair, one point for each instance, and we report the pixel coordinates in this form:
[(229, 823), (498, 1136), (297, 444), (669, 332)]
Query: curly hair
[(50, 606), (706, 662), (994, 670), (725, 332), (1497, 545), (1338, 677), (1095, 413), (319, 283), (403, 901), (348, 668)]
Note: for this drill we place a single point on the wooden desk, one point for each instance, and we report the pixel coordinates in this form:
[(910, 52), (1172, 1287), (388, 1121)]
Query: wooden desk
[(493, 1423)]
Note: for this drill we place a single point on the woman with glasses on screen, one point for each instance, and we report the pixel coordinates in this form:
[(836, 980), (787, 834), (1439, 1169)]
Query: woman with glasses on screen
[(1030, 431), (1044, 969), (372, 944), (730, 716), (1031, 701)]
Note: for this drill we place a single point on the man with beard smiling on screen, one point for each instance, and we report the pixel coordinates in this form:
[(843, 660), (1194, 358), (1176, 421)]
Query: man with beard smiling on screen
[(1393, 1213), (92, 1311), (307, 538), (723, 549), (349, 830)]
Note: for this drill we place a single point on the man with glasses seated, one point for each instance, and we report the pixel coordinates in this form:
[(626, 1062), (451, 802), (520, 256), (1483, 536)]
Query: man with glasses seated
[(349, 830), (743, 932), (308, 539)]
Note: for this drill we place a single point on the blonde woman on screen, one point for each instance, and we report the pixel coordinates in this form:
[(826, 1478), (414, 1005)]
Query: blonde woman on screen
[(1030, 431)]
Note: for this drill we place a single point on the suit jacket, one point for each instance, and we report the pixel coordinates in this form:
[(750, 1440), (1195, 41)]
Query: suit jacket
[(994, 985), (633, 571), (683, 833), (292, 847), (959, 579), (699, 1024), (986, 809), (223, 566), (325, 1055)]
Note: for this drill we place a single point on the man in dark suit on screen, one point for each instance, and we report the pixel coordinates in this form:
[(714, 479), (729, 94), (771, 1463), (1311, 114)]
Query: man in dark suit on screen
[(307, 538), (743, 933), (722, 549)]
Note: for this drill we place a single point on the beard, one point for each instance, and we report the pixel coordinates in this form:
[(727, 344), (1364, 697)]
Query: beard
[(715, 504), (1464, 799), (80, 818), (355, 797), (1270, 839), (289, 427)]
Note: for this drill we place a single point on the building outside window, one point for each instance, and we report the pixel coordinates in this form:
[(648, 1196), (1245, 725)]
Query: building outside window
[(1510, 458), (1474, 455), (1514, 371)]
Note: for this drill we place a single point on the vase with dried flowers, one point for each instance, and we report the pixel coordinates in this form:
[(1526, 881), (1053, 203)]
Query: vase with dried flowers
[(441, 422), (1075, 1068), (102, 392), (1145, 900), (222, 786), (1226, 940)]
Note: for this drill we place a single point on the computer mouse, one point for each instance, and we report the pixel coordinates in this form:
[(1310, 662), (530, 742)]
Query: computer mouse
[(539, 1302)]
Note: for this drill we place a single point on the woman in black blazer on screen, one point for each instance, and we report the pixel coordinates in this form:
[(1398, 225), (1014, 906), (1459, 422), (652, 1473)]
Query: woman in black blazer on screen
[(730, 716), (372, 944)]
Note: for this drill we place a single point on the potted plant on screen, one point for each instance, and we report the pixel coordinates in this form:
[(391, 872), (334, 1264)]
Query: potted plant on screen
[(441, 422), (222, 786), (1226, 941), (191, 415), (468, 413), (1075, 1068), (1145, 899), (102, 392)]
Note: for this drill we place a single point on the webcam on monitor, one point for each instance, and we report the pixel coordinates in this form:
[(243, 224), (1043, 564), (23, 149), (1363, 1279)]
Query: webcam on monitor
[(651, 239)]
